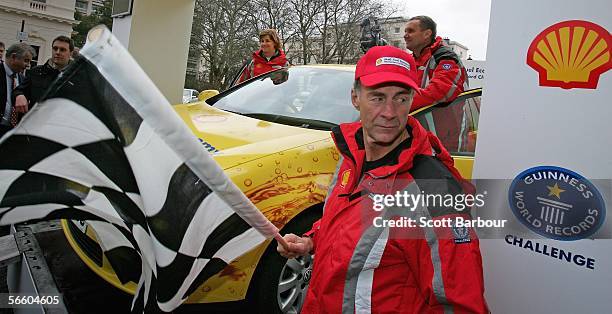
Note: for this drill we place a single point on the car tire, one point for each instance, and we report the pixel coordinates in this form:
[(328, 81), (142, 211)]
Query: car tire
[(273, 269)]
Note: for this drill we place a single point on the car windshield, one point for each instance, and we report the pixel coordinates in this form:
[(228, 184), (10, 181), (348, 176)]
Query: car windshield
[(299, 92), (186, 93)]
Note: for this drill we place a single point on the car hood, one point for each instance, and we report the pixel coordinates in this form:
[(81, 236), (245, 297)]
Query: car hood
[(234, 139)]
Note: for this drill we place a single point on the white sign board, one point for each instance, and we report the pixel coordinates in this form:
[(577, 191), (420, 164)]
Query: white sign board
[(22, 36), (545, 129), (476, 72)]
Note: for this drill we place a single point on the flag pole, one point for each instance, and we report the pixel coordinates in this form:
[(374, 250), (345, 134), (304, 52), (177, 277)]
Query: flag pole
[(278, 237)]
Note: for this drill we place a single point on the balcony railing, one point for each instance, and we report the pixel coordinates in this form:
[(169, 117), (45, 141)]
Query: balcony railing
[(38, 6), (63, 9)]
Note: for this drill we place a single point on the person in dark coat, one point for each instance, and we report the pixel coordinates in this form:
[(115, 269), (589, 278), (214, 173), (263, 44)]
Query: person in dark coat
[(40, 77), (18, 57)]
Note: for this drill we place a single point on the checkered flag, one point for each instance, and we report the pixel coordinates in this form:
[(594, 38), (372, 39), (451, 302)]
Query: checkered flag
[(105, 146)]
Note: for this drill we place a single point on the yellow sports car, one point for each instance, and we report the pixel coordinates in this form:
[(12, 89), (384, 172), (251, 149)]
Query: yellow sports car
[(271, 135)]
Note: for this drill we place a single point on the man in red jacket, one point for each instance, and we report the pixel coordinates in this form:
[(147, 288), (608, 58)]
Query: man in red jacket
[(441, 75), (363, 265)]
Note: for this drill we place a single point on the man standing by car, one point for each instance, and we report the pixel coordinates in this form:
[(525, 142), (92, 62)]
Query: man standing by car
[(362, 267), (40, 77), (441, 74), (442, 78)]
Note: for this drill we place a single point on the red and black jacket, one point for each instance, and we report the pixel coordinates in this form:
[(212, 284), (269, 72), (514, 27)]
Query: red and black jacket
[(362, 268), (260, 65), (441, 74)]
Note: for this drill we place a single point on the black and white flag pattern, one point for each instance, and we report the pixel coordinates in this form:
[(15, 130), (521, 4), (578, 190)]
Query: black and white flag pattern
[(105, 146)]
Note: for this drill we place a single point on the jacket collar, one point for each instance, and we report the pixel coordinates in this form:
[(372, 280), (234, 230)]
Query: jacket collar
[(278, 58), (427, 51), (349, 140), (7, 69), (53, 66)]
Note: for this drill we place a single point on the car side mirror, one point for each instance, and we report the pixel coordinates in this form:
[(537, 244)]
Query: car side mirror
[(207, 94)]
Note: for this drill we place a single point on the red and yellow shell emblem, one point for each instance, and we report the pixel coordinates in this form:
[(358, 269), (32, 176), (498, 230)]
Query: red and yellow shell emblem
[(571, 54), (346, 175)]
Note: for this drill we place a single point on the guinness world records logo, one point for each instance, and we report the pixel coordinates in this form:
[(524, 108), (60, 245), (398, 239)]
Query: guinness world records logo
[(557, 203)]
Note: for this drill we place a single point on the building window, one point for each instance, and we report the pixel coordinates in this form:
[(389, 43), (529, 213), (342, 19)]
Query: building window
[(95, 5), (81, 5), (121, 8), (397, 30), (41, 1)]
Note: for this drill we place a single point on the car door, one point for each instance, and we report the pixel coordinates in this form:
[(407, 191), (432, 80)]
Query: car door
[(456, 125)]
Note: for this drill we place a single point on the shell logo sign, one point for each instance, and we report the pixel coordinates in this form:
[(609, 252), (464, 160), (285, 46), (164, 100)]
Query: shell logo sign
[(571, 54)]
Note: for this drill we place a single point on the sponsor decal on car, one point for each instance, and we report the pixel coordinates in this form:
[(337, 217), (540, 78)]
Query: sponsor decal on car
[(208, 146)]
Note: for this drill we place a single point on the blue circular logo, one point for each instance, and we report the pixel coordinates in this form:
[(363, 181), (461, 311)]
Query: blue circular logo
[(557, 203)]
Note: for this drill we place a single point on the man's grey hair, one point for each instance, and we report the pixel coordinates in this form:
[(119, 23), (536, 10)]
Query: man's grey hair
[(357, 86), (20, 50)]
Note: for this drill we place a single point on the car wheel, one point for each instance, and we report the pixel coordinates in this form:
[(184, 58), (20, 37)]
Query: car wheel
[(279, 284)]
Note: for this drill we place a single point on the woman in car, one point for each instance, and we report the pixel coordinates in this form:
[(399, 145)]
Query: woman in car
[(268, 58)]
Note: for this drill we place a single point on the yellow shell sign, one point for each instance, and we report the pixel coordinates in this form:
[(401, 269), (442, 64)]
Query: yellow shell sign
[(571, 54)]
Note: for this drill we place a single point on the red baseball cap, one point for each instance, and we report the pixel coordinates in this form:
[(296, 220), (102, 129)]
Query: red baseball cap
[(383, 64)]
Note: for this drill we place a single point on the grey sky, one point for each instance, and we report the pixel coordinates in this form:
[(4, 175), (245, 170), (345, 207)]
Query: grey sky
[(465, 21)]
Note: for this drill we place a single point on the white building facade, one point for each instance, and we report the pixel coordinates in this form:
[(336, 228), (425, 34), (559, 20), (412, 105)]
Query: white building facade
[(42, 20), (459, 49), (87, 7), (392, 30)]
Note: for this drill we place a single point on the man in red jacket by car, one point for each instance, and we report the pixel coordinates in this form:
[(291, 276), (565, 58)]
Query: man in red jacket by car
[(363, 265), (442, 77)]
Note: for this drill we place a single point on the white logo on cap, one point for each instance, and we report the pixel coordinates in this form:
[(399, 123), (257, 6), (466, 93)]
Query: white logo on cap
[(393, 61)]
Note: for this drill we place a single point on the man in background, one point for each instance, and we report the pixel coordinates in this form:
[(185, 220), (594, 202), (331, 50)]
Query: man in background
[(18, 57), (441, 75), (40, 77)]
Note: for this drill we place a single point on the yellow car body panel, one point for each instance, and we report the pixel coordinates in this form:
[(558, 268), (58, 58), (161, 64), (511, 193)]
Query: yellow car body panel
[(282, 169), (103, 271), (464, 165)]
